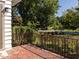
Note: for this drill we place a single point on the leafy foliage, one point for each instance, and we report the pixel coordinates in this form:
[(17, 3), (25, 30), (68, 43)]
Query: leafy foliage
[(16, 20), (36, 13), (70, 20), (54, 23)]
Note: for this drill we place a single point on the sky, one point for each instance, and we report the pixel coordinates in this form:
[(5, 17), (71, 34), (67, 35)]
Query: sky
[(66, 4)]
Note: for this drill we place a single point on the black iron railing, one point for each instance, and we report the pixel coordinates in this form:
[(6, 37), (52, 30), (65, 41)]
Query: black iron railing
[(65, 45)]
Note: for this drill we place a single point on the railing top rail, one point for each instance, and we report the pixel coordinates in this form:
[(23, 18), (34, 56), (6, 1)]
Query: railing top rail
[(59, 32)]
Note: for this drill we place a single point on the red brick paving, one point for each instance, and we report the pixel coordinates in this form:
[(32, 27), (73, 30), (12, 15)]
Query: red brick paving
[(30, 52), (43, 53), (21, 53)]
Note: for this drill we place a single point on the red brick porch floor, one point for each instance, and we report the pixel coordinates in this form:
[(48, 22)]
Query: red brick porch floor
[(30, 52)]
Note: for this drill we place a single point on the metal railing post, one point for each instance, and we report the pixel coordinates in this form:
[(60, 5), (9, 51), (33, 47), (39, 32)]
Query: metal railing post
[(77, 50)]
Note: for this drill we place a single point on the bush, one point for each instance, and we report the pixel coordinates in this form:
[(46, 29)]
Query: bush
[(21, 35)]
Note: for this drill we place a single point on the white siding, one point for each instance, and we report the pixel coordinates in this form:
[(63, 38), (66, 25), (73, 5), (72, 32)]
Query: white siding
[(7, 2), (7, 26), (9, 33), (7, 5), (6, 17), (9, 22), (8, 30), (7, 41), (8, 14), (8, 46), (7, 38)]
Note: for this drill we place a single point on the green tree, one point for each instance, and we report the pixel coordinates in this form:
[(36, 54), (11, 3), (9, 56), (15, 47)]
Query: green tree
[(36, 13), (70, 20), (54, 23), (16, 18)]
